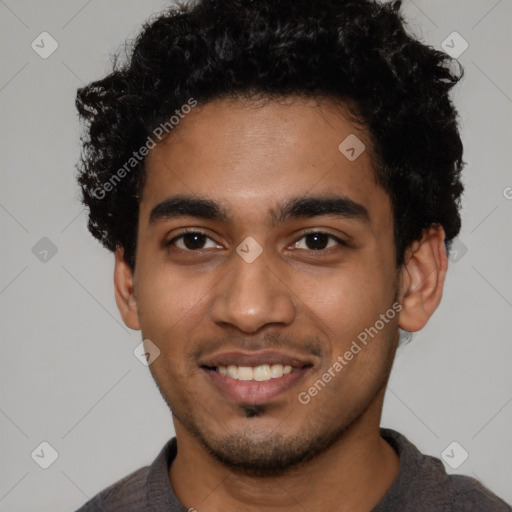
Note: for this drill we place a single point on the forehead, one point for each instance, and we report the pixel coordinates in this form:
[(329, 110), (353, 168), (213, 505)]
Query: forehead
[(241, 151)]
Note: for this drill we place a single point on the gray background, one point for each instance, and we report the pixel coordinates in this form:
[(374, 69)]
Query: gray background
[(68, 374)]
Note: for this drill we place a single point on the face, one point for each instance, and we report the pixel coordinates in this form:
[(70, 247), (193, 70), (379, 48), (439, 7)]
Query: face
[(264, 256)]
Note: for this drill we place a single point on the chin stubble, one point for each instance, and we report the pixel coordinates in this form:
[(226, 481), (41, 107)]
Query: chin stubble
[(277, 454)]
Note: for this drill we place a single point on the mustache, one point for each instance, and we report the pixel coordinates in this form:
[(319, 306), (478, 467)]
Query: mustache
[(208, 346)]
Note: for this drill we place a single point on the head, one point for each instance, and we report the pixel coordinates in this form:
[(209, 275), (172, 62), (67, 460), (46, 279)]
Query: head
[(280, 183)]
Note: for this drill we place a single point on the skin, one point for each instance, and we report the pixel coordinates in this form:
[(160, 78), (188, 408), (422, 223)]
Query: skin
[(249, 157)]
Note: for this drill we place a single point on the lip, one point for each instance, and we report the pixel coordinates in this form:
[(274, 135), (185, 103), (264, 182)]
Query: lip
[(242, 358), (255, 392), (252, 392)]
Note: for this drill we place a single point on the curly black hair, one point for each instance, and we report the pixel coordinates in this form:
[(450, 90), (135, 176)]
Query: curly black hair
[(354, 51)]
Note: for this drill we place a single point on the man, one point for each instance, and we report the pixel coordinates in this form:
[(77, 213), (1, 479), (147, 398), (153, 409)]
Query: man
[(280, 183)]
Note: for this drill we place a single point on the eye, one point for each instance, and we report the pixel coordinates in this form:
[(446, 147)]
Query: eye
[(192, 241), (318, 241)]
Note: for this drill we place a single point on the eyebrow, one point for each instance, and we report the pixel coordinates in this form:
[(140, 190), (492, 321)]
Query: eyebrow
[(299, 207)]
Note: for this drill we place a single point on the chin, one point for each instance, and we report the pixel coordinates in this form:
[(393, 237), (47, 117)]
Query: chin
[(260, 452)]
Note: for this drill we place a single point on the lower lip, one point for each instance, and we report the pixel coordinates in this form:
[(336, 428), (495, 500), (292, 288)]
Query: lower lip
[(254, 392)]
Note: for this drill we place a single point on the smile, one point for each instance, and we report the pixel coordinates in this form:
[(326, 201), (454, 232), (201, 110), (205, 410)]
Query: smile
[(255, 377), (258, 373)]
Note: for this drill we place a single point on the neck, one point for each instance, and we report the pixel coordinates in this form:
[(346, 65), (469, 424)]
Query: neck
[(353, 474)]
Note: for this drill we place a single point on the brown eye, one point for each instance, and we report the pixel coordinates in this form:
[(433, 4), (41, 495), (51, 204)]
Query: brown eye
[(192, 241), (318, 241)]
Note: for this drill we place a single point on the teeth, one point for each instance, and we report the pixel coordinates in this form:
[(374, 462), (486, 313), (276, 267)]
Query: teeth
[(258, 373), (245, 373), (232, 371), (276, 370), (262, 372)]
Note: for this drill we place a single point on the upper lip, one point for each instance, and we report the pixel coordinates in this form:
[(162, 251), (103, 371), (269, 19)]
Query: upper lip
[(255, 358)]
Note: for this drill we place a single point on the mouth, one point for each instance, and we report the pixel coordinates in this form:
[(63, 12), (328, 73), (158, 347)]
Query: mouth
[(255, 378), (259, 373)]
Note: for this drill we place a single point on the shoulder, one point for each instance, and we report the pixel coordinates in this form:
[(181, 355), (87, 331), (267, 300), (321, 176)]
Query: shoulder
[(125, 495), (469, 494), (141, 490), (423, 484)]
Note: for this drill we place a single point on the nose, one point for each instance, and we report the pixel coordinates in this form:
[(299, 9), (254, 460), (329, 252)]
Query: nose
[(252, 296)]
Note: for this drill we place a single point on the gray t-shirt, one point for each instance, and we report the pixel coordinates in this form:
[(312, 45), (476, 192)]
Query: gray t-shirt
[(421, 485)]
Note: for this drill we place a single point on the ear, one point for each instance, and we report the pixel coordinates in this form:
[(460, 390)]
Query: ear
[(422, 279), (125, 291)]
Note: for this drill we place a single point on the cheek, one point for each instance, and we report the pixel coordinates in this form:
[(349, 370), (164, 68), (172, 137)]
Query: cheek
[(171, 308), (170, 303), (345, 301)]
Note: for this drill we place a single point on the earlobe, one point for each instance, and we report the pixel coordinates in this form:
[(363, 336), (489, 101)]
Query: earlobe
[(422, 279), (125, 291)]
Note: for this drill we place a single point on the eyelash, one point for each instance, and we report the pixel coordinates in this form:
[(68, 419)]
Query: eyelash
[(316, 251)]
